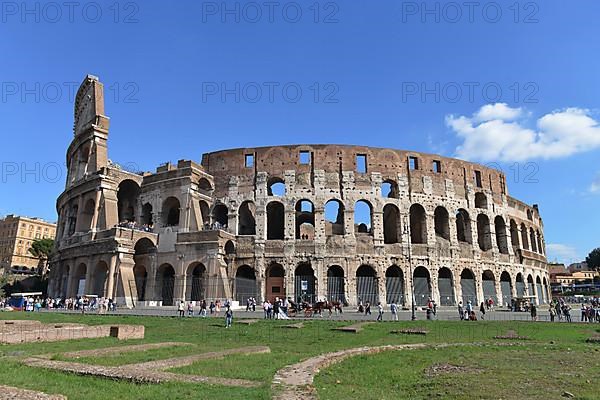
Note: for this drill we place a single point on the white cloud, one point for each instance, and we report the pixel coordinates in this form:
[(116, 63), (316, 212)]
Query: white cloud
[(561, 253), (595, 186), (494, 133)]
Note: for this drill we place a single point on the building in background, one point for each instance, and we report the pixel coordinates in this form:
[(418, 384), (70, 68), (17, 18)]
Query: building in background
[(578, 267), (16, 236)]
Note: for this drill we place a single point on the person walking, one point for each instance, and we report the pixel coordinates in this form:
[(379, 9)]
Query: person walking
[(380, 311), (368, 308), (461, 311), (181, 308), (482, 310), (394, 310), (203, 309), (228, 317), (190, 309), (533, 312), (552, 311)]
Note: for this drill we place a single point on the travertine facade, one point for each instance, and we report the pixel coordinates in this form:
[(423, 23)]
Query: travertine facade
[(348, 223)]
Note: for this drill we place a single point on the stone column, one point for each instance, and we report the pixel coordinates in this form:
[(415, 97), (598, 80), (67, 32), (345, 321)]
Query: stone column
[(110, 287), (96, 209), (498, 290), (320, 223)]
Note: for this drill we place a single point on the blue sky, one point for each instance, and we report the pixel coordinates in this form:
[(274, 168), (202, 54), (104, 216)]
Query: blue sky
[(512, 83)]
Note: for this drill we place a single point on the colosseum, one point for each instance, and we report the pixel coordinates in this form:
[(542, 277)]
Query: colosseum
[(347, 223)]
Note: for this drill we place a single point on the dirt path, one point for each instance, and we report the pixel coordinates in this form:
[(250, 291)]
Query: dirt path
[(12, 393)]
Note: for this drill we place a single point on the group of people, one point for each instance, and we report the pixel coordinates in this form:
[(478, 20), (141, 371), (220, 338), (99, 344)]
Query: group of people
[(214, 308), (79, 303), (134, 225), (468, 312), (277, 309), (561, 310)]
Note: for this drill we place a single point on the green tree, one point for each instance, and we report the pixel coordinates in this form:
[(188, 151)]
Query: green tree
[(593, 259), (42, 250)]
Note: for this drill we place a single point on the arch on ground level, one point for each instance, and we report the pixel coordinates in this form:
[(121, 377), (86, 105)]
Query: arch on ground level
[(463, 226), (446, 287), (391, 224), (442, 223), (245, 284), (481, 200), (366, 285), (165, 283), (334, 218), (532, 240), (514, 234), (506, 287), (87, 216), (275, 286), (524, 239), (79, 277), (140, 275), (204, 214), (99, 279), (418, 224), (363, 217), (276, 187), (197, 282), (484, 238), (275, 221), (220, 216), (171, 211), (336, 284), (539, 292), (127, 200), (488, 282), (247, 219), (422, 286), (469, 289), (147, 214), (546, 291), (63, 280), (530, 286), (305, 283), (305, 220), (389, 189), (520, 285), (501, 238), (394, 285)]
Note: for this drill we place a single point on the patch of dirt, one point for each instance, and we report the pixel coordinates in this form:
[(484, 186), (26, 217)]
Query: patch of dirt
[(12, 393), (511, 335), (412, 331), (445, 369), (121, 349)]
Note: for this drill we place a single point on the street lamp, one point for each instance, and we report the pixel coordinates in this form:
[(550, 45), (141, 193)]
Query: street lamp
[(406, 231)]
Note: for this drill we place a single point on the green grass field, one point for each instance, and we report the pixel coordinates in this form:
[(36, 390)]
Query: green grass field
[(553, 360)]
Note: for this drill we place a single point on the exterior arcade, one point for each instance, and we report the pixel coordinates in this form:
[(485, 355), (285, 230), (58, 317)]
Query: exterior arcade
[(347, 223)]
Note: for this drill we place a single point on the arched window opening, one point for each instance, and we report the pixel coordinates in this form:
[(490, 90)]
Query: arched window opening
[(147, 217), (87, 216), (389, 189), (127, 200), (205, 214), (501, 239), (229, 248), (363, 217), (540, 248), (276, 187), (463, 227), (524, 239), (391, 224), (442, 223), (220, 216), (171, 210), (480, 200), (204, 185), (483, 232), (246, 219), (418, 224), (275, 221), (334, 218), (514, 234), (72, 220), (533, 240), (305, 220)]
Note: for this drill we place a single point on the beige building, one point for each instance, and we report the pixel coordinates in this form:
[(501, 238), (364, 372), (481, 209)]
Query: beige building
[(16, 236), (308, 221)]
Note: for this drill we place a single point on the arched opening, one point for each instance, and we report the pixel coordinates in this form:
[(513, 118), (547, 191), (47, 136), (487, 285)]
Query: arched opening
[(229, 248), (204, 185), (532, 240), (463, 227), (363, 217), (446, 287), (127, 200), (483, 232), (442, 224), (467, 284), (197, 277), (394, 285), (539, 242), (389, 189), (480, 201), (276, 187), (418, 224), (170, 211), (304, 283), (501, 239), (530, 286), (275, 282), (140, 275), (246, 219), (506, 288), (524, 239), (245, 284), (72, 224), (305, 220), (520, 285), (64, 281), (422, 286), (514, 234), (275, 221), (529, 215), (539, 292), (99, 279), (334, 218), (489, 286), (78, 283), (165, 281), (205, 214), (220, 216), (147, 217), (391, 224), (87, 215), (366, 285), (335, 284)]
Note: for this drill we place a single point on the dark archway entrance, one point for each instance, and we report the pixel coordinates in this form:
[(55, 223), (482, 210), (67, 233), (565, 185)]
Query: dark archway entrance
[(304, 283), (336, 284), (446, 287), (366, 285), (245, 284), (394, 285), (467, 284), (275, 282), (422, 286)]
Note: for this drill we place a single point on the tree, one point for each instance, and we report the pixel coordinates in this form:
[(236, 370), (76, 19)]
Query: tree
[(42, 250), (593, 259)]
